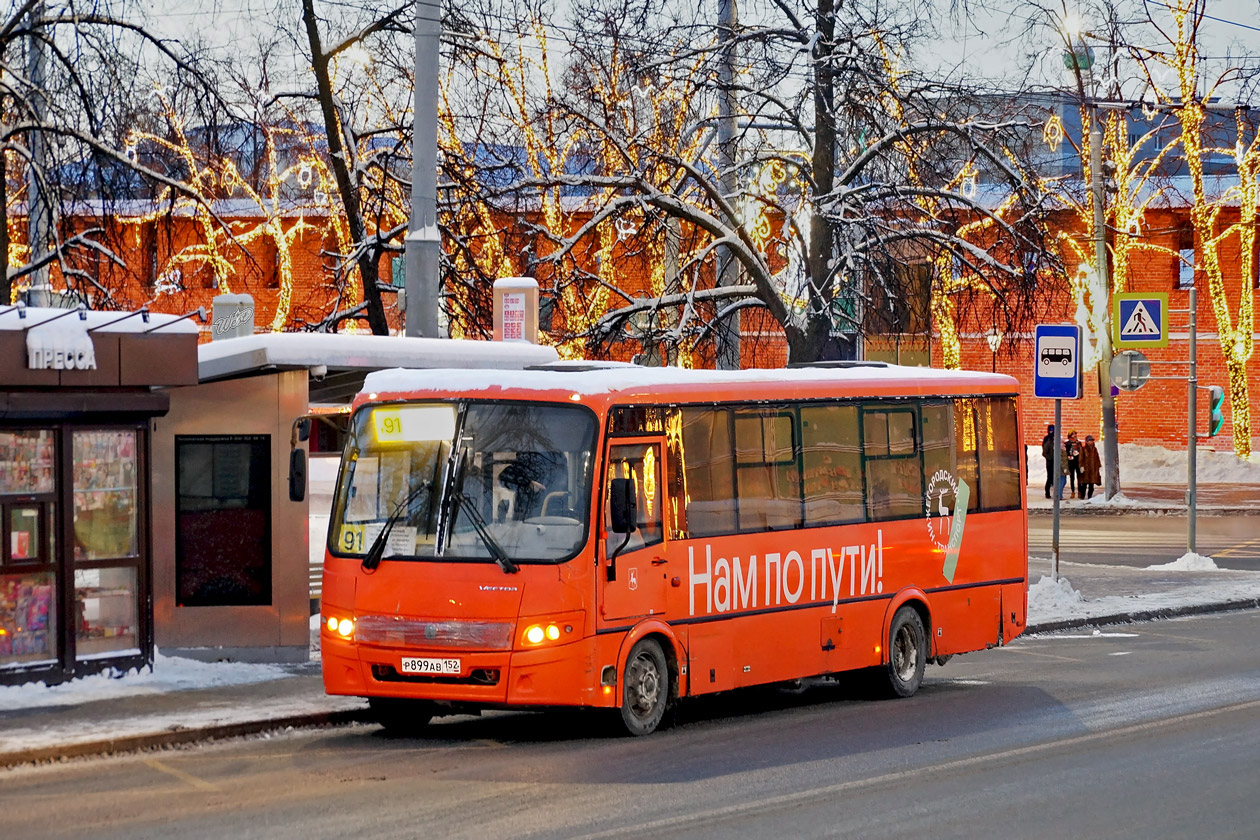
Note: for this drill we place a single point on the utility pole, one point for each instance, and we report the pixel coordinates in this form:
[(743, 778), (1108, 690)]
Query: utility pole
[(1079, 58), (1192, 409), (1111, 447), (37, 209), (728, 269), (423, 242)]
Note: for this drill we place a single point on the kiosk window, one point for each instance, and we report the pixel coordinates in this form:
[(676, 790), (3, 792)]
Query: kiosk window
[(223, 528)]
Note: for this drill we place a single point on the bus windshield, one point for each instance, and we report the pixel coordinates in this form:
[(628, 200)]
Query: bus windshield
[(515, 472)]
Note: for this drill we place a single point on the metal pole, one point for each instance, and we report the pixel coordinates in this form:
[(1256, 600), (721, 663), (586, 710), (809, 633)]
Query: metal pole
[(1192, 442), (423, 243), (1054, 493), (728, 332), (38, 215), (1111, 446)]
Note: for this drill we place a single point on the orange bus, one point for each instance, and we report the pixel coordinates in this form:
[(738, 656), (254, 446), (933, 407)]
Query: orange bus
[(615, 536)]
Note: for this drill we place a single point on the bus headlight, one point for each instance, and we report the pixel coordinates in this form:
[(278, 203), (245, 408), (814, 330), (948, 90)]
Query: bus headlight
[(553, 629), (343, 627)]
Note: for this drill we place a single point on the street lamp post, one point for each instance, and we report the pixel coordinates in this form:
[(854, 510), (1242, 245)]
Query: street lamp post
[(994, 339)]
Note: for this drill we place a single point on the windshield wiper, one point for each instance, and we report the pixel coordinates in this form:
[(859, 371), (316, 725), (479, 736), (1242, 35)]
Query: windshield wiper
[(377, 550), (479, 525)]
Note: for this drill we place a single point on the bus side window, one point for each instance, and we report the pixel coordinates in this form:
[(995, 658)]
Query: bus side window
[(999, 458), (938, 441), (641, 464), (831, 451), (967, 444), (894, 476), (709, 467), (766, 477)]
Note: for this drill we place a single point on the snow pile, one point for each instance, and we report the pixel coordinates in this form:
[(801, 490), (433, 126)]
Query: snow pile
[(1156, 465), (1189, 562), (1118, 500), (170, 673), (1048, 597), (316, 623)]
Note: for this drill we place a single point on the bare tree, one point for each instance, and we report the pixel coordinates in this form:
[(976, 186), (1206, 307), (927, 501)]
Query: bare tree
[(68, 97), (352, 165), (850, 164)]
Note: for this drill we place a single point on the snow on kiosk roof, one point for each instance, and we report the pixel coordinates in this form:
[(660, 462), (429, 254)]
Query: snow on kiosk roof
[(630, 381), (336, 351)]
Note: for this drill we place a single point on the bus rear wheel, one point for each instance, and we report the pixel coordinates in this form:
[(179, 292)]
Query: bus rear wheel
[(400, 716), (645, 688), (907, 652)]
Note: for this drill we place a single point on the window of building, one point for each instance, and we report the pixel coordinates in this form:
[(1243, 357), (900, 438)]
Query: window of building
[(1185, 259), (223, 523)]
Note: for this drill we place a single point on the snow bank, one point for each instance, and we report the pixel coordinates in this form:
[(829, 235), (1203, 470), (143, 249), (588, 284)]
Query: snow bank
[(1189, 563), (170, 673), (1156, 465)]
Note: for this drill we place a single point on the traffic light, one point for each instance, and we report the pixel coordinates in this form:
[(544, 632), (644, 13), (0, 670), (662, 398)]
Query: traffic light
[(1216, 404)]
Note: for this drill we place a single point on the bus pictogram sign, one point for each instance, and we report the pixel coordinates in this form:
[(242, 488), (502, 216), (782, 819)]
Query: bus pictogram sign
[(1057, 364)]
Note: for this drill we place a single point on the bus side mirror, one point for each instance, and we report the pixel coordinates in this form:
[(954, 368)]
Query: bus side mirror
[(622, 506), (297, 475), (303, 428)]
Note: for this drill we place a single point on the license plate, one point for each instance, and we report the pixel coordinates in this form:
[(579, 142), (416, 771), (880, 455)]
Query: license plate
[(427, 665)]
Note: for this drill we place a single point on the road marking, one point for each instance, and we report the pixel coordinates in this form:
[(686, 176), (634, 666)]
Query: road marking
[(780, 800), (1237, 550), (188, 778), (1024, 649)]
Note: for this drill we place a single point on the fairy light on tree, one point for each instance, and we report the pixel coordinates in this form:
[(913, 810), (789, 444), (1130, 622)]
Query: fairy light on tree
[(1235, 337)]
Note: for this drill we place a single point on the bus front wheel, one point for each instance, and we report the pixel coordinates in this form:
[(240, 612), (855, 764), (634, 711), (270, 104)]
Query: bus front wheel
[(644, 688), (400, 716), (907, 652)]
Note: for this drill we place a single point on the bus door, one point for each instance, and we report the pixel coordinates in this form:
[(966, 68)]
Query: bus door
[(634, 569)]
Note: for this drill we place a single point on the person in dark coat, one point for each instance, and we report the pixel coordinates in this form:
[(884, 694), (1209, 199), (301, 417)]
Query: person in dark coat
[(1047, 452), (1091, 468), (1073, 447)]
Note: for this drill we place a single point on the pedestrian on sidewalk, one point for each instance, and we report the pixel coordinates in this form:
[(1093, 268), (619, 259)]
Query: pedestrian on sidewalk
[(1063, 468), (1091, 468), (1073, 448), (1047, 452)]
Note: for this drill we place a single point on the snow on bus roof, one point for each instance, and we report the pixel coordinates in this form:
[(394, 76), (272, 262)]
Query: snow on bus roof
[(610, 377)]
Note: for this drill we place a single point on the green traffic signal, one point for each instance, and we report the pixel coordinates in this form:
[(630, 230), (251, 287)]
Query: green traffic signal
[(1216, 403)]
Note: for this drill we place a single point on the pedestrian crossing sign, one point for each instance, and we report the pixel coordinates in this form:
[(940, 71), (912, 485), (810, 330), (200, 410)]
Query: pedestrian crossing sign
[(1139, 319)]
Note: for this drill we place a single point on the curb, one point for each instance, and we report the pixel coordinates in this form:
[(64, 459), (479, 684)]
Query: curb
[(178, 736), (1176, 510), (1142, 615)]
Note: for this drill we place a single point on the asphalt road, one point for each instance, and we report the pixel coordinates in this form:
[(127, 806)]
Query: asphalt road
[(1152, 732), (1138, 540)]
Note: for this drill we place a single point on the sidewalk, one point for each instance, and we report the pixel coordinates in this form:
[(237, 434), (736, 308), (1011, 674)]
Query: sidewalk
[(1212, 499), (229, 700)]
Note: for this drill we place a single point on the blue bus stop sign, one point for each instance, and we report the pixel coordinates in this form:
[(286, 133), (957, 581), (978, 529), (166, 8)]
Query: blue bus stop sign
[(1057, 363)]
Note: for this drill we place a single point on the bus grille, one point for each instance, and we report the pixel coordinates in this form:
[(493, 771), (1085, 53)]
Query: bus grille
[(479, 676)]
